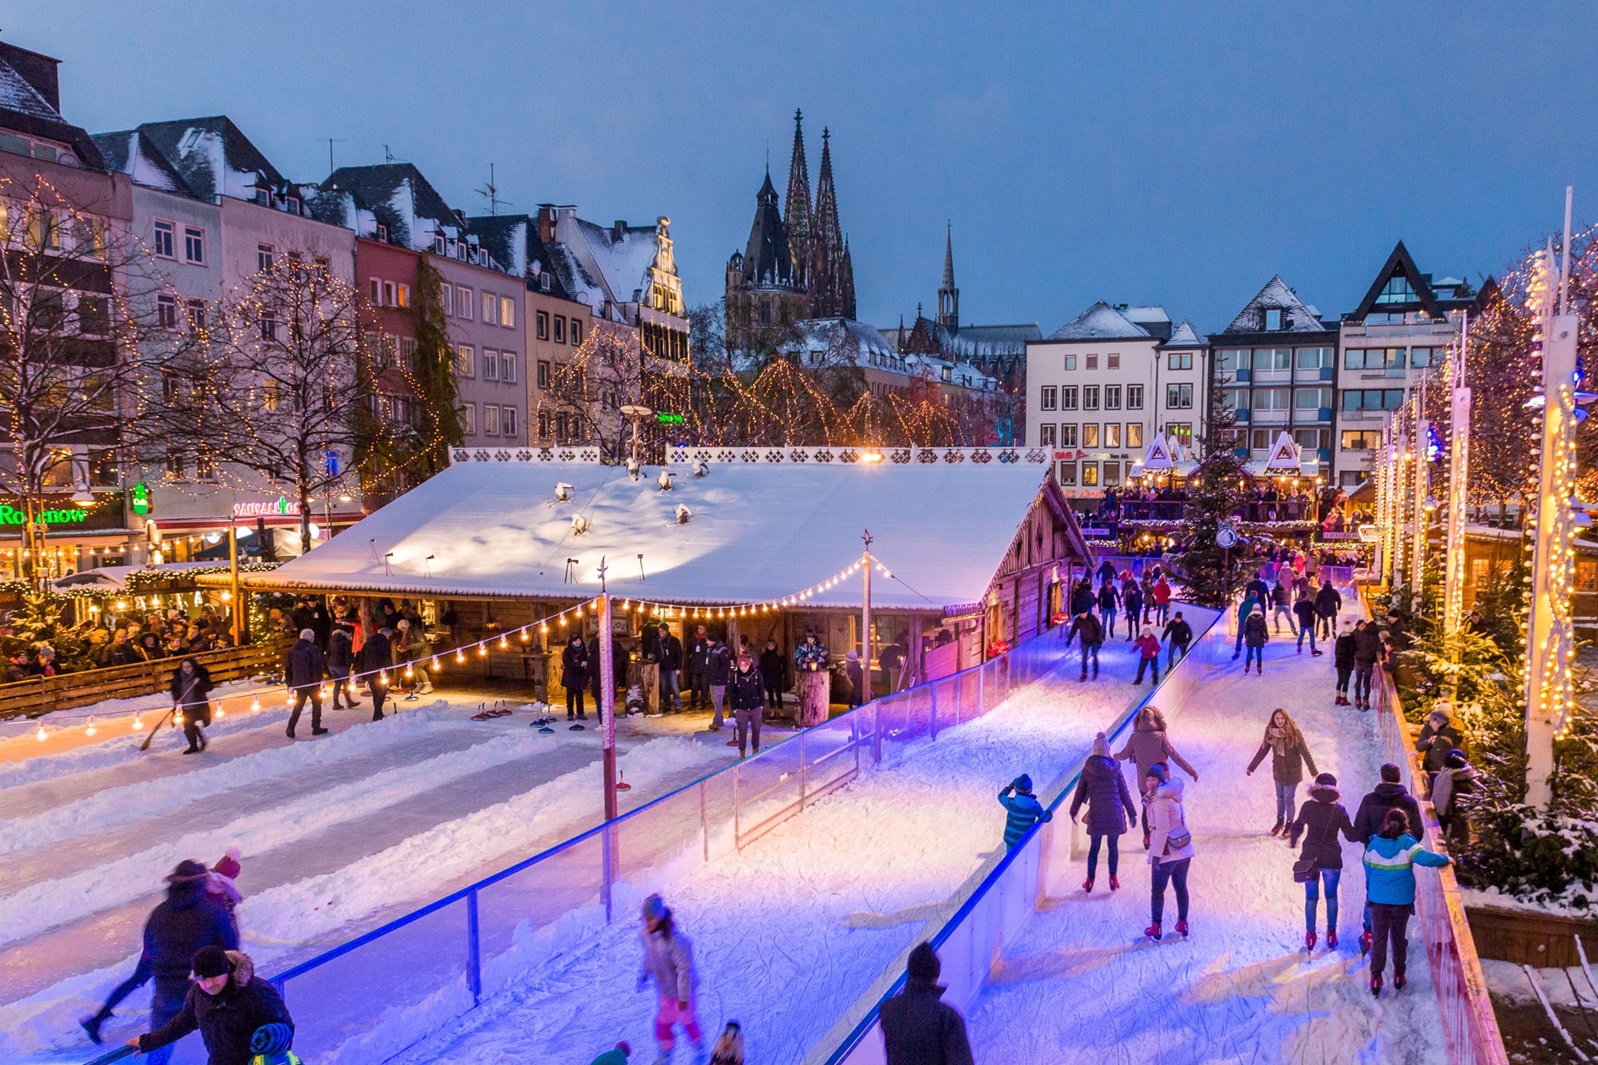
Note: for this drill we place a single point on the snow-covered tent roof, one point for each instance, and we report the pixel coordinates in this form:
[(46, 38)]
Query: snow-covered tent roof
[(1100, 322), (758, 530)]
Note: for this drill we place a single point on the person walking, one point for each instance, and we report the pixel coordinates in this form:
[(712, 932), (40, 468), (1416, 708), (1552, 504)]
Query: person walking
[(1388, 795), (184, 922), (1178, 637), (1147, 744), (1022, 809), (1455, 780), (340, 664), (1320, 821), (573, 676), (1102, 787), (1148, 647), (1109, 599), (1254, 637), (772, 668), (699, 669), (238, 1014), (718, 671), (303, 673), (1281, 600), (669, 653), (1367, 649), (1304, 610), (1170, 848), (376, 656), (1390, 860), (1289, 755), (744, 690), (918, 1028), (669, 961), (1437, 738), (1343, 662), (191, 701), (1086, 627), (1327, 605), (1161, 593)]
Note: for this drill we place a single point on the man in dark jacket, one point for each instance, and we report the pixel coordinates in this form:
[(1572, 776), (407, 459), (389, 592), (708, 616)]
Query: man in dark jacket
[(772, 668), (745, 691), (1178, 637), (1327, 603), (1437, 737), (303, 673), (1082, 597), (718, 671), (1087, 628), (917, 1029), (699, 669), (1343, 660), (1372, 814), (1258, 588), (669, 652), (238, 1014), (1304, 610), (377, 654), (187, 920), (1367, 649)]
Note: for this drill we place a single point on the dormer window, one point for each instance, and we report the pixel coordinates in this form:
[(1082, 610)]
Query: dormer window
[(438, 243), (544, 281), (1273, 319), (382, 232)]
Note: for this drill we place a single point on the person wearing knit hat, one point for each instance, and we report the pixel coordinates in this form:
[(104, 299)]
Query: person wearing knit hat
[(918, 1028), (1320, 864), (1254, 634), (1170, 847), (669, 959), (1103, 788), (616, 1055), (1022, 809), (729, 1046), (221, 884), (240, 1016)]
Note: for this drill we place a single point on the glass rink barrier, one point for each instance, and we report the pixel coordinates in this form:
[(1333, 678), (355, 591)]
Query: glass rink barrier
[(372, 997)]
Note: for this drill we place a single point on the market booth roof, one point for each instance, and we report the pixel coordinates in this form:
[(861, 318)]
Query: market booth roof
[(746, 529)]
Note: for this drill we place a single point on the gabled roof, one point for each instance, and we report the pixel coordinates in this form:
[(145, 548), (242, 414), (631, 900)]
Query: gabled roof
[(30, 102), (1100, 322), (495, 529), (512, 241), (128, 152), (1456, 293), (1185, 336), (213, 156), (623, 255), (1297, 316), (400, 198)]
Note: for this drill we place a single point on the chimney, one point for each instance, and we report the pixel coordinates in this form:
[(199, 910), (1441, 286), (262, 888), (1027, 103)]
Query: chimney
[(618, 230), (546, 223), (37, 70)]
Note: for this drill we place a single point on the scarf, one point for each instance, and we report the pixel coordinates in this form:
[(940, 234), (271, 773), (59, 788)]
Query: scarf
[(1277, 738)]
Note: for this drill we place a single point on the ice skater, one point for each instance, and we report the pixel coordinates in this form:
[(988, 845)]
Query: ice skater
[(1320, 820), (1390, 862), (1110, 811), (1146, 745), (1171, 851), (1091, 632), (1343, 661), (1254, 636), (191, 701), (668, 957), (1289, 755), (1148, 647), (240, 1016), (1022, 809)]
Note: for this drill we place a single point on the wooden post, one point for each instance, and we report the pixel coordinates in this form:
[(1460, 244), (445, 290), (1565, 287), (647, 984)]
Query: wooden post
[(239, 635)]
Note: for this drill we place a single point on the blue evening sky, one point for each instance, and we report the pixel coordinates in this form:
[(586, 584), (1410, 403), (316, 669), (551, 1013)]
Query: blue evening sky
[(1176, 153)]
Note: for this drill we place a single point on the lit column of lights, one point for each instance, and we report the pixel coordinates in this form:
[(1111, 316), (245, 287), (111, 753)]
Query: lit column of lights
[(1458, 481), (1420, 487)]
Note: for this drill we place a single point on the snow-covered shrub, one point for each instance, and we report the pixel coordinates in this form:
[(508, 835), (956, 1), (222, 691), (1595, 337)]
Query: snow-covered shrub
[(1537, 857)]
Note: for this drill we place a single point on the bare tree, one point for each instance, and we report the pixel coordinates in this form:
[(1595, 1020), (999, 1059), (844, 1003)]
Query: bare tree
[(587, 392)]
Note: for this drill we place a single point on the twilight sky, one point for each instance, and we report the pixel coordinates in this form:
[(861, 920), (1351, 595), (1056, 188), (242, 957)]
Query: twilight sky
[(1173, 153)]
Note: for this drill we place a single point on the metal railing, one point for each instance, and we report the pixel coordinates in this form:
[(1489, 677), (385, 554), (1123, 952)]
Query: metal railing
[(1470, 1029), (970, 943), (383, 991)]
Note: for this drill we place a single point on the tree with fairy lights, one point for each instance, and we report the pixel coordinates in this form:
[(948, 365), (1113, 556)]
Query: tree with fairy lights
[(1212, 573), (87, 323), (586, 393), (286, 380)]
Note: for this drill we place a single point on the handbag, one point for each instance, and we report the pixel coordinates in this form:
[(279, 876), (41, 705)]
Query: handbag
[(1179, 837), (1304, 871)]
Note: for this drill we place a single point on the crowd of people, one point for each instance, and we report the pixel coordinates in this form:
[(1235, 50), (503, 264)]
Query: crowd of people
[(1139, 603)]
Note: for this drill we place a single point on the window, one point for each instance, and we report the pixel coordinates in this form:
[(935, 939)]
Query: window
[(403, 295), (1179, 397), (1180, 432), (469, 419), (1090, 475), (43, 232), (263, 257), (1420, 358), (1397, 290), (1048, 398), (507, 367), (193, 245), (560, 329), (1271, 399), (490, 316), (1231, 360), (1068, 397), (1066, 473), (1390, 360), (1313, 358), (165, 239), (268, 326), (1112, 473), (166, 312), (577, 330), (1360, 440), (1373, 399), (1311, 440), (1266, 359), (1112, 435), (490, 419), (1134, 434), (174, 464), (466, 361), (507, 420), (1093, 362), (377, 292), (507, 313), (542, 325), (407, 358), (464, 307), (1046, 435), (1480, 572), (543, 420), (1311, 399), (196, 314), (1070, 362), (269, 397), (446, 298), (1134, 397), (543, 373), (490, 364), (204, 468), (94, 315), (1068, 436), (1112, 397), (1263, 438), (389, 295), (1273, 318), (1090, 436), (1090, 397), (1179, 360), (1112, 362)]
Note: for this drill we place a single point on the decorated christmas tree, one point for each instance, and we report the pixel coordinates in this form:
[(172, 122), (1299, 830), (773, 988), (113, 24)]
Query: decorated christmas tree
[(1212, 572)]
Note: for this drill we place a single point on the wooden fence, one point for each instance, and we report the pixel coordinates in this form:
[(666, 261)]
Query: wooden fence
[(41, 695)]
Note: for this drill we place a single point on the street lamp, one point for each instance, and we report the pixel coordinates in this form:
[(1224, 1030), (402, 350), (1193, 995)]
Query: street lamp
[(633, 412)]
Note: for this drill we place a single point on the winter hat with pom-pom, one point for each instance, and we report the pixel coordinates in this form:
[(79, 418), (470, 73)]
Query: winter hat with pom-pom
[(1101, 746), (923, 965), (1023, 784), (228, 865)]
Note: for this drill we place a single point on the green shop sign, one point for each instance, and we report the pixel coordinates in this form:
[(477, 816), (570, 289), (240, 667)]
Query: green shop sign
[(139, 498), (10, 515)]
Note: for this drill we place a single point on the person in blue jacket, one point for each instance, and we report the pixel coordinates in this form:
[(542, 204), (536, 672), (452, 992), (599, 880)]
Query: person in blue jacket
[(1390, 860), (1244, 609), (1022, 809)]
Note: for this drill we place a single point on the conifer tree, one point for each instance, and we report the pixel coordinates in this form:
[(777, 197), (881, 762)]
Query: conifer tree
[(1214, 577)]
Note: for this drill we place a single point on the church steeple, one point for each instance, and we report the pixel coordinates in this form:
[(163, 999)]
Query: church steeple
[(948, 294), (831, 280), (796, 215)]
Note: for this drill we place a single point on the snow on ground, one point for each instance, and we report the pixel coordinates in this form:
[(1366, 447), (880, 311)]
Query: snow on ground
[(793, 929), (1241, 989), (338, 834)]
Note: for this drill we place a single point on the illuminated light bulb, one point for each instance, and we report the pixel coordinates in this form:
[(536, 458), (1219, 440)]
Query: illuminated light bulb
[(382, 678), (436, 665), (563, 621), (41, 735), (624, 603), (504, 644), (138, 723), (177, 721), (90, 729), (255, 705), (221, 711), (482, 650), (544, 628), (524, 636), (409, 672), (460, 658)]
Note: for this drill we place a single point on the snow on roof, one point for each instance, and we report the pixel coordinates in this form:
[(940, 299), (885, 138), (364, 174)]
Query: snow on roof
[(623, 256), (1184, 335), (757, 532), (18, 94), (130, 153), (1298, 317), (864, 345), (400, 197), (213, 156), (1100, 322)]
